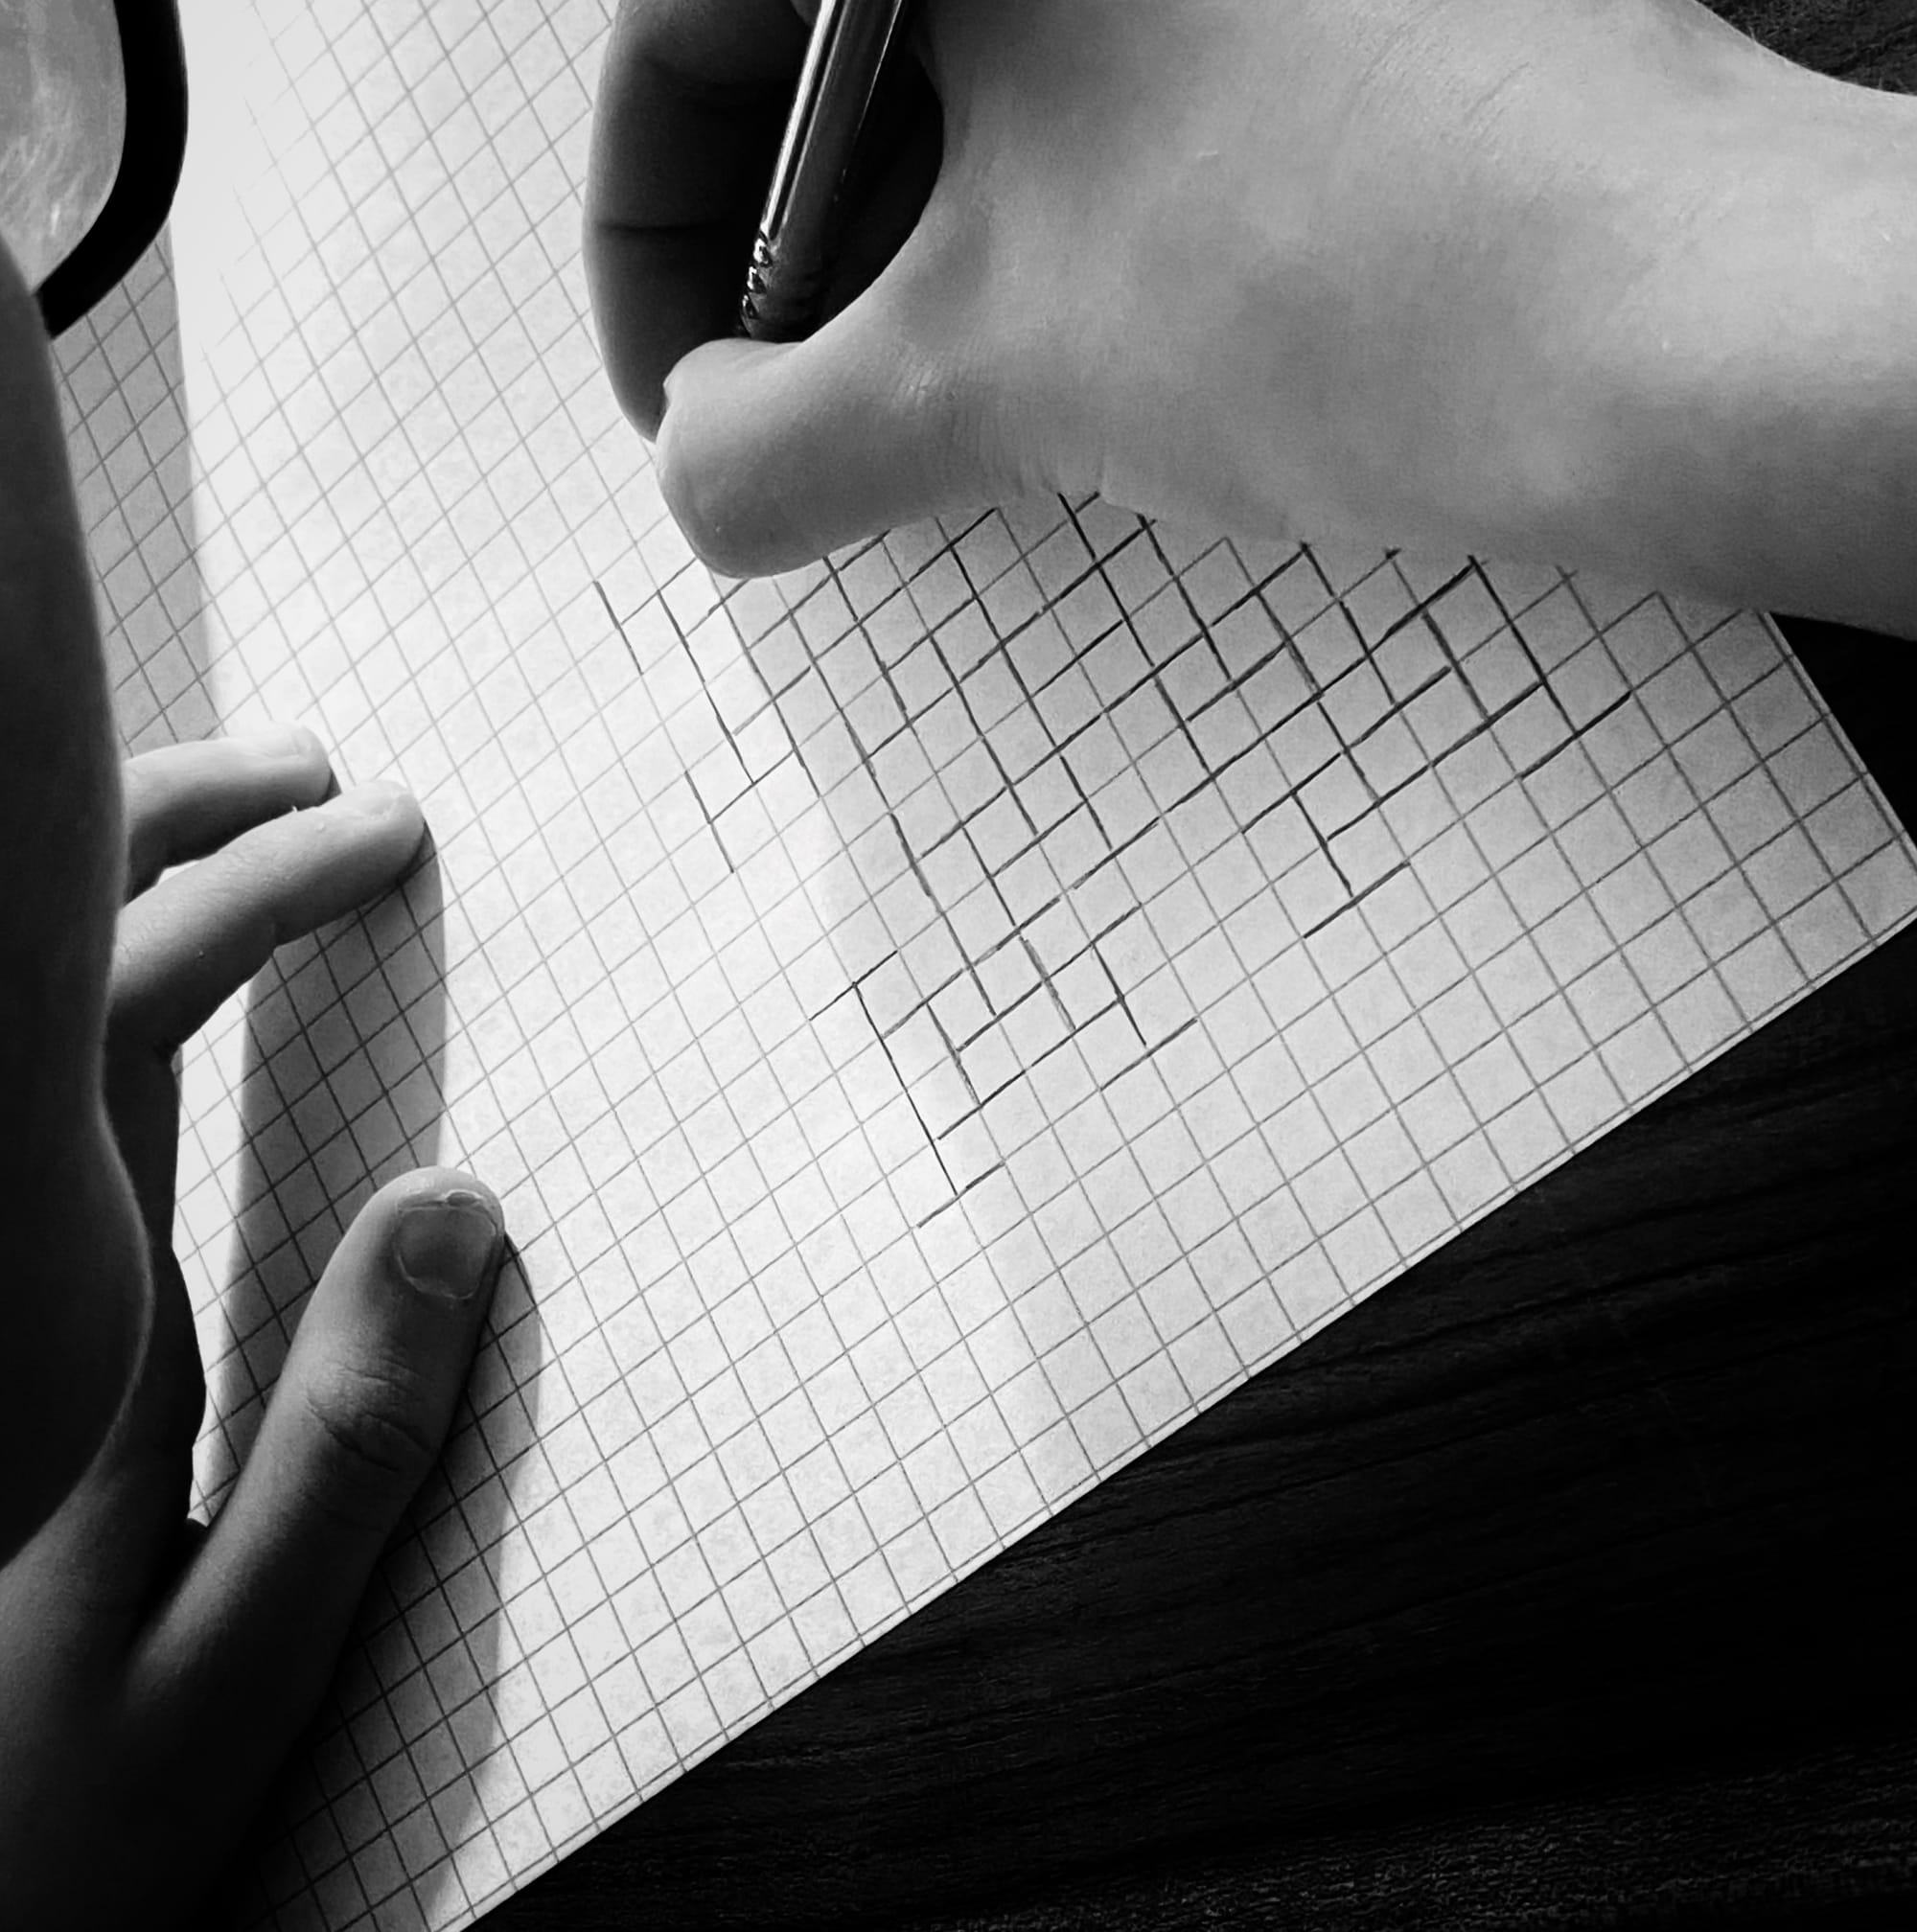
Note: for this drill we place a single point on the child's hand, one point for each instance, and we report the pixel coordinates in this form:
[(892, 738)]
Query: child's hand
[(151, 1678), (1605, 283)]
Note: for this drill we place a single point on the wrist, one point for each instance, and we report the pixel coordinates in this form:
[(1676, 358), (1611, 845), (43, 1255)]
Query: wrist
[(1746, 425)]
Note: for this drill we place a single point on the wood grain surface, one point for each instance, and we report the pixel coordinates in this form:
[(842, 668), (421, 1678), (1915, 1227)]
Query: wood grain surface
[(1564, 1582)]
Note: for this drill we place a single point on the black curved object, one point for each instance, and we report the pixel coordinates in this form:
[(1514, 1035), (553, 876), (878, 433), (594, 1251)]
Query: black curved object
[(155, 65)]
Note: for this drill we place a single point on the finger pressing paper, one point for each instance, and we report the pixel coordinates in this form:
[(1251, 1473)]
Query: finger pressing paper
[(238, 1656), (186, 800), (200, 935)]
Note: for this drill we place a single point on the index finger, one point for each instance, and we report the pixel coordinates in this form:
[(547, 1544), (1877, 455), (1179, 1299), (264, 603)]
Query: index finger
[(693, 95), (195, 938), (186, 800)]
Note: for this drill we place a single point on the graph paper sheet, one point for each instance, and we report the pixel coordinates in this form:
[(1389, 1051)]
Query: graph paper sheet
[(936, 1022)]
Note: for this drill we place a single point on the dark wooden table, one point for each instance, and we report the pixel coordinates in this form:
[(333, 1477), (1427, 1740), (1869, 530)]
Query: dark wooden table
[(1566, 1581)]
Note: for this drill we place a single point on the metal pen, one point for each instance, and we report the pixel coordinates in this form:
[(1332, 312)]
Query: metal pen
[(792, 252)]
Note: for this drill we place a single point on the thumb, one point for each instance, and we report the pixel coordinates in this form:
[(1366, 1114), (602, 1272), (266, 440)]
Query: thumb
[(237, 1660), (770, 454)]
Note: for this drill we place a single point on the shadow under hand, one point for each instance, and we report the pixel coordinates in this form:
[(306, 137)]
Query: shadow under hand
[(342, 1090)]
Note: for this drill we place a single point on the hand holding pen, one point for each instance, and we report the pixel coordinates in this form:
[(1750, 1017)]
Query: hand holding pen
[(1456, 277)]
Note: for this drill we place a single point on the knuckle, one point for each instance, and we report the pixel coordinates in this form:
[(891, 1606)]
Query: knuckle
[(371, 1444)]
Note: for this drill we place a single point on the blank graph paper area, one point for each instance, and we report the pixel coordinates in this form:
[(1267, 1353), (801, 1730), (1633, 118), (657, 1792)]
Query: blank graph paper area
[(936, 1021)]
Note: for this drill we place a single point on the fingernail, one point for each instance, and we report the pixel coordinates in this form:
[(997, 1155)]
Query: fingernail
[(448, 1248), (283, 741), (379, 799)]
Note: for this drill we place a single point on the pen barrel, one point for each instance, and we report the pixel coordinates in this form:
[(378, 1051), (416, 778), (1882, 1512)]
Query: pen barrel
[(783, 292), (793, 251)]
